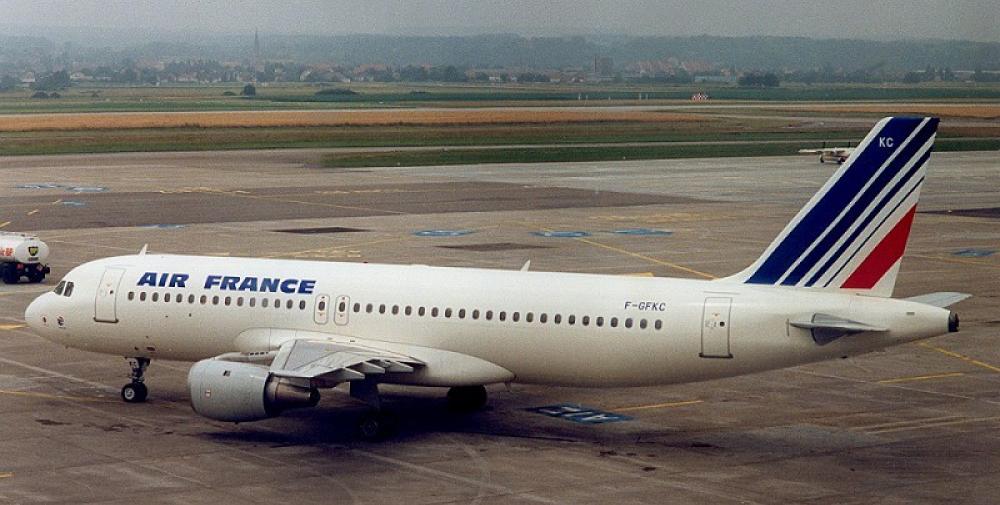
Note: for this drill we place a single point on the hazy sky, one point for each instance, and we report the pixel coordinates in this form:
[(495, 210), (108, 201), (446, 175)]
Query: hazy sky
[(869, 19)]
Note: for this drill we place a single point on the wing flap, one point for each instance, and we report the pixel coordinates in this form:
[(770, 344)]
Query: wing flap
[(333, 362)]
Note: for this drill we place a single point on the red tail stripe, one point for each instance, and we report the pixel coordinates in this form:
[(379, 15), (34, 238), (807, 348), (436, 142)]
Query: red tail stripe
[(883, 257)]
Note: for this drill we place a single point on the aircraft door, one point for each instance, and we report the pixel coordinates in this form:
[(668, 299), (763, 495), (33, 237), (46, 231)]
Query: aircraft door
[(105, 304), (715, 328), (342, 309), (321, 314)]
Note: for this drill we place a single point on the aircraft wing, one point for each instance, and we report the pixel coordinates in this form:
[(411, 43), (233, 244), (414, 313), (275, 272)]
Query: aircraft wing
[(334, 362), (941, 299)]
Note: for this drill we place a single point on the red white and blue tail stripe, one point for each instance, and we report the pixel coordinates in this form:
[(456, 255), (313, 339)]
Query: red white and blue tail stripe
[(852, 233)]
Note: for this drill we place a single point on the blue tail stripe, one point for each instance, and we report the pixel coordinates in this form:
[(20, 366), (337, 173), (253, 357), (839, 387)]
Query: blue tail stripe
[(860, 206), (829, 206), (874, 231), (871, 217)]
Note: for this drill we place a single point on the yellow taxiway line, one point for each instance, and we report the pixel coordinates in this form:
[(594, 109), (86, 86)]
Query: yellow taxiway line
[(658, 406), (962, 357), (921, 378)]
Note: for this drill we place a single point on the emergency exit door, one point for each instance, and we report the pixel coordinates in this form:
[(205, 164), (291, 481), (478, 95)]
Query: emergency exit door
[(715, 328), (342, 310), (105, 305)]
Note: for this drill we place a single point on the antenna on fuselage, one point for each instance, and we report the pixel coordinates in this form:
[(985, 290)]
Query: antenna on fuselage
[(527, 264), (142, 252)]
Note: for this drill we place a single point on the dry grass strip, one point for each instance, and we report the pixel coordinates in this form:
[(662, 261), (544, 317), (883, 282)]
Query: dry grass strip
[(127, 120)]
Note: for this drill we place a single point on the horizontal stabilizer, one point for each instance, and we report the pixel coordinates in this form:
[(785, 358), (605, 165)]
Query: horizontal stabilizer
[(826, 328), (941, 299)]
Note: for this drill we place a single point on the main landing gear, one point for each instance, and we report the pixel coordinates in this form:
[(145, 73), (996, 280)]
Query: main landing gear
[(136, 391), (377, 423), (467, 398)]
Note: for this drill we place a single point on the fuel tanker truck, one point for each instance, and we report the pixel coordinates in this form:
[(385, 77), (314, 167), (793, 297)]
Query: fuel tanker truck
[(22, 256)]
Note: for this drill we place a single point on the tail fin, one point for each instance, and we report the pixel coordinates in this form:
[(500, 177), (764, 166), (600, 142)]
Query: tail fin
[(852, 233)]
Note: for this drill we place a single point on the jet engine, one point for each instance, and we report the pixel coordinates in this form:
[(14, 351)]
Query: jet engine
[(230, 391)]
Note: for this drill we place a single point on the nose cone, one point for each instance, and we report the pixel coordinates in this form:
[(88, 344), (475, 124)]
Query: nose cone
[(34, 315)]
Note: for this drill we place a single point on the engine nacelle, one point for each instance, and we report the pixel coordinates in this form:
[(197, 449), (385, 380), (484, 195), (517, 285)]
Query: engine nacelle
[(230, 391)]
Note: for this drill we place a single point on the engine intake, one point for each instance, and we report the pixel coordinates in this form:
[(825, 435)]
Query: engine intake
[(230, 391)]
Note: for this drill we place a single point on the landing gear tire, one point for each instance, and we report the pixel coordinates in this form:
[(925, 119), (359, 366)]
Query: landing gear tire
[(135, 392), (467, 398), (375, 426)]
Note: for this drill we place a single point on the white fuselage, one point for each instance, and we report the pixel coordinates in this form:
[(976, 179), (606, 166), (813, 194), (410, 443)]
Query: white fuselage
[(543, 327)]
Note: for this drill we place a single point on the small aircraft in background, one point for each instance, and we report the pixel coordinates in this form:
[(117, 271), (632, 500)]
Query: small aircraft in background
[(832, 154)]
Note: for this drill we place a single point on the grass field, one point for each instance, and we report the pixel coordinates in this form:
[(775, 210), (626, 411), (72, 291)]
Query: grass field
[(129, 119), (291, 96)]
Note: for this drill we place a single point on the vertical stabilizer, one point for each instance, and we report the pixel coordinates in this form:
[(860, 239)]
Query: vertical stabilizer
[(853, 232)]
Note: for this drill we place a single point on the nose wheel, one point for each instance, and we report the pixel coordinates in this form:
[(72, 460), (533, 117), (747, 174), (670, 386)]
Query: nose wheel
[(136, 391)]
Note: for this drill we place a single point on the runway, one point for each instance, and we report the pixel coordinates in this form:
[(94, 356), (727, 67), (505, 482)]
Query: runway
[(914, 424)]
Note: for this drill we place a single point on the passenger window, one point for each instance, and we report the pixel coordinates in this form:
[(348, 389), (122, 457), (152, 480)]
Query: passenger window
[(529, 317), (357, 308), (239, 302), (343, 307), (409, 310), (204, 299), (461, 313), (156, 297), (263, 302), (229, 301), (557, 318), (131, 295), (489, 315), (447, 312), (585, 320), (543, 318), (253, 301), (215, 300), (369, 308), (628, 323), (475, 313), (302, 305), (434, 312), (571, 319), (658, 325), (288, 304), (191, 299), (395, 309), (381, 309), (643, 324), (503, 315), (515, 317), (614, 322), (599, 321), (166, 297), (421, 311), (277, 303), (321, 305)]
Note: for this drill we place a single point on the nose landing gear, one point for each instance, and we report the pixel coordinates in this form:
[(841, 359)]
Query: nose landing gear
[(136, 391)]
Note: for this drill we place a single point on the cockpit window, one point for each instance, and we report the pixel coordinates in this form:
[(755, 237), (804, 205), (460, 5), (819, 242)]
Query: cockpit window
[(59, 288), (69, 289)]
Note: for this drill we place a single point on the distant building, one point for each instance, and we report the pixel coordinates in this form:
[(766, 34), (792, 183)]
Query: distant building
[(604, 65)]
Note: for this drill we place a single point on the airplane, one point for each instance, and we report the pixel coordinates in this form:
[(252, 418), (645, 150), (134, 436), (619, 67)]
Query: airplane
[(832, 154), (267, 335)]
